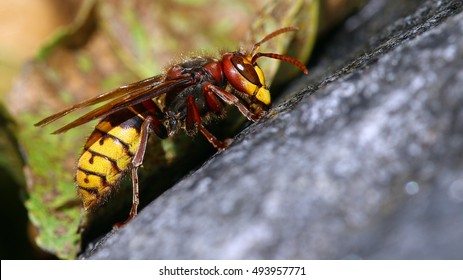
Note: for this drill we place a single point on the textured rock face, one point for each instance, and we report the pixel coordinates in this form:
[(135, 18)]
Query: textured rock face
[(365, 162)]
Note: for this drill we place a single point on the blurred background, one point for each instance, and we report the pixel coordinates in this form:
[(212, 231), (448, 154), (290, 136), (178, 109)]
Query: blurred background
[(24, 27)]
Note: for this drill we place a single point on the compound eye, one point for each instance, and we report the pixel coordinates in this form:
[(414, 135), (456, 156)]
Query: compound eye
[(246, 69)]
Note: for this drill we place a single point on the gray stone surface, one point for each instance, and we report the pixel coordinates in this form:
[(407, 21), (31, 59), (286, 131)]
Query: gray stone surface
[(365, 162)]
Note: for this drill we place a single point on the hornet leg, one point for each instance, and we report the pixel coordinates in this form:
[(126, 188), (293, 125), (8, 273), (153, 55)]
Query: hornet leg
[(233, 100), (136, 162)]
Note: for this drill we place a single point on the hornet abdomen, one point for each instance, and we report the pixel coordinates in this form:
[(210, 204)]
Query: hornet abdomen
[(107, 153)]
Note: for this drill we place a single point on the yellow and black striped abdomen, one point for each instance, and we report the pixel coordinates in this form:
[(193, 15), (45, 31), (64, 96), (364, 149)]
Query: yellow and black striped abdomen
[(108, 152)]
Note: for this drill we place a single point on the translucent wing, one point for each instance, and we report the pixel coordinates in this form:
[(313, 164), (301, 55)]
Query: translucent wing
[(123, 90), (124, 96)]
